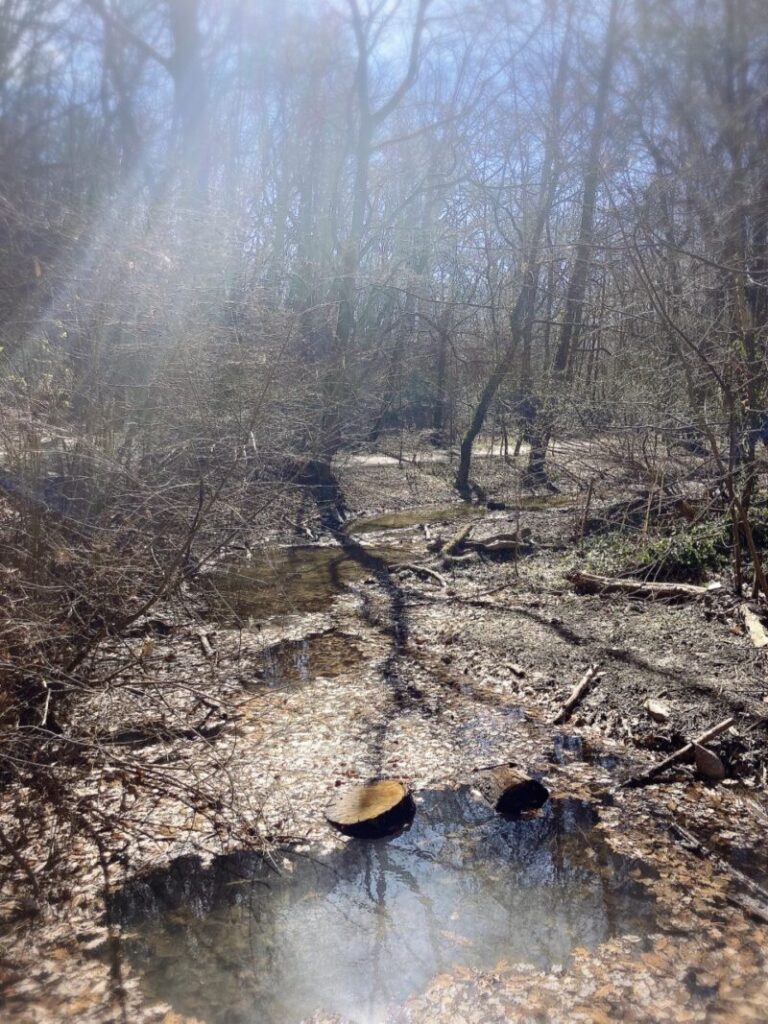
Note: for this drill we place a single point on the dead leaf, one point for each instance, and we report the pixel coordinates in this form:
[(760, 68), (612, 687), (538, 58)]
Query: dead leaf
[(657, 709), (708, 763), (598, 1016), (459, 940)]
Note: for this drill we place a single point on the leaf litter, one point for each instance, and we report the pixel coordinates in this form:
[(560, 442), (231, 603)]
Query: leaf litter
[(486, 665)]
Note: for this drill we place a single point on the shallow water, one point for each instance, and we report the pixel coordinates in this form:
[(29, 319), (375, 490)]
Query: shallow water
[(568, 747), (295, 662), (415, 517), (282, 580), (360, 930)]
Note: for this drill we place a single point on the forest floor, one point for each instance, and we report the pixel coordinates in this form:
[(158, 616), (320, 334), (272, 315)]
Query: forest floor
[(306, 672)]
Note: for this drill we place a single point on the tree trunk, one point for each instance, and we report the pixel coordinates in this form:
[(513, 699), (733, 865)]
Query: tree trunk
[(577, 287), (524, 302)]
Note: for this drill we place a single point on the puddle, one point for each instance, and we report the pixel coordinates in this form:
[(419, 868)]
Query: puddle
[(279, 581), (292, 662), (568, 748), (541, 502), (487, 733), (745, 852), (359, 930), (415, 517)]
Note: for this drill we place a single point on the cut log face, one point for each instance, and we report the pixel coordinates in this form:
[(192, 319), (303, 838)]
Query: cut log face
[(377, 809), (509, 791)]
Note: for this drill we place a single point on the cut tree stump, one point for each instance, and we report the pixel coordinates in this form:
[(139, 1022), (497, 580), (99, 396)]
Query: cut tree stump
[(377, 809), (509, 791), (591, 583)]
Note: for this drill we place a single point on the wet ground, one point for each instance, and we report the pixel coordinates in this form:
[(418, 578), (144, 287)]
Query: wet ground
[(431, 514), (588, 911)]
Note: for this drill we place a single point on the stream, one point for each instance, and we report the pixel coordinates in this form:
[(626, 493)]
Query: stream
[(345, 930)]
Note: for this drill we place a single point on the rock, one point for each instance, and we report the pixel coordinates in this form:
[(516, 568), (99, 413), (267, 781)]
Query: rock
[(658, 711), (708, 764), (377, 809), (509, 791)]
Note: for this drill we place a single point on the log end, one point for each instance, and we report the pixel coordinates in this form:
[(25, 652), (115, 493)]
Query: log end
[(509, 791), (378, 809)]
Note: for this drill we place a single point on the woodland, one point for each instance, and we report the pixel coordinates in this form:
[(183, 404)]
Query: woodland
[(383, 403)]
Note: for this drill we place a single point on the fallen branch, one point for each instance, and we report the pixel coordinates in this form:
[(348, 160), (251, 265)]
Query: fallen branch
[(421, 570), (458, 539), (757, 633), (591, 583), (469, 556), (147, 736), (679, 755), (578, 693), (205, 643)]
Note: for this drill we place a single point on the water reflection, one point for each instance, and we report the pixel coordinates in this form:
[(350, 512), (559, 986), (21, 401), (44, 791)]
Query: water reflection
[(358, 931), (415, 517), (283, 580), (568, 747), (295, 662)]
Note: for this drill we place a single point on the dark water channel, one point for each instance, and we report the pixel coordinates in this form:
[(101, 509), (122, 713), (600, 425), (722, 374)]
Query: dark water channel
[(363, 928)]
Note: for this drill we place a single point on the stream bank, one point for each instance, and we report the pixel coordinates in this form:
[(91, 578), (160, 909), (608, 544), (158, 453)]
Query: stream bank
[(482, 668)]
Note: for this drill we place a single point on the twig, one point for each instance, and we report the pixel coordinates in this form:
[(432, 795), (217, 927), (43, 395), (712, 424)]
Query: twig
[(578, 693), (679, 755), (205, 643), (585, 513)]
